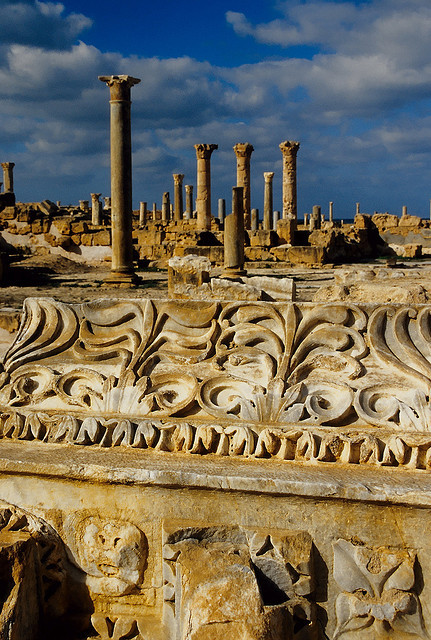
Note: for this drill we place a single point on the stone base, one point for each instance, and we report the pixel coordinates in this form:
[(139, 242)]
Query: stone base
[(122, 279), (233, 274)]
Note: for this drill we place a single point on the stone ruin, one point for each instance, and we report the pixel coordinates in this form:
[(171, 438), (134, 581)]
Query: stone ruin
[(195, 469)]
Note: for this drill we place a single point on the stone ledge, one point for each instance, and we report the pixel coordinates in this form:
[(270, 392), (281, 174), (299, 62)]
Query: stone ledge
[(146, 468)]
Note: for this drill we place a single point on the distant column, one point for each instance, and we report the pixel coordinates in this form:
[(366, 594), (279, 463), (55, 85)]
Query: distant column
[(305, 219), (243, 151), (221, 210), (267, 200), (8, 176), (178, 196), (289, 149), (203, 196), (331, 212), (404, 211), (84, 205), (142, 214), (358, 207), (234, 237), (254, 219), (96, 209), (154, 211), (122, 270), (107, 202), (189, 201), (166, 206), (275, 219)]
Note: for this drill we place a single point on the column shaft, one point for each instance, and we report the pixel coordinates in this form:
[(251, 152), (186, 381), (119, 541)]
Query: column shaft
[(289, 150), (243, 151), (203, 196)]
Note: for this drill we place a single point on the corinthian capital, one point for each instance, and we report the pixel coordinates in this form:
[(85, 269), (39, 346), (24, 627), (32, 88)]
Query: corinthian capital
[(289, 148), (119, 86), (178, 178), (243, 149), (268, 176), (204, 151)]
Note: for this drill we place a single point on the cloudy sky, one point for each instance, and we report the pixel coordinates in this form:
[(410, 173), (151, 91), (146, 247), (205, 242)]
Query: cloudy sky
[(350, 80)]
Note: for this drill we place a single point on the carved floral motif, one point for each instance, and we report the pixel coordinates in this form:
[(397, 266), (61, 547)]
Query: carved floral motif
[(378, 592)]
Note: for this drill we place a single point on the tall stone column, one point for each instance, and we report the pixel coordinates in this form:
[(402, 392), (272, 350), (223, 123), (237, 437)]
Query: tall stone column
[(243, 151), (221, 210), (142, 214), (96, 209), (289, 149), (254, 219), (189, 201), (8, 176), (234, 237), (203, 196), (267, 200), (275, 219), (331, 211), (122, 270), (178, 196), (166, 206), (154, 211)]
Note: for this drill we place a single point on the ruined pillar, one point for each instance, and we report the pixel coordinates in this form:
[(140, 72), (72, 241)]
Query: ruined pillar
[(203, 196), (358, 208), (107, 200), (84, 205), (221, 210), (178, 196), (243, 151), (331, 211), (254, 219), (267, 200), (305, 219), (96, 209), (316, 218), (275, 219), (289, 149), (404, 210), (122, 270), (142, 214), (234, 237), (8, 176), (154, 211), (166, 206), (189, 201)]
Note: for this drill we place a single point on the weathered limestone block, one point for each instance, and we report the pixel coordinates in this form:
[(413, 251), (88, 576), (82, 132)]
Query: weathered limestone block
[(286, 228), (384, 221), (79, 227), (299, 255), (256, 254), (262, 238), (189, 270), (62, 226), (273, 288), (410, 221), (412, 251), (102, 238), (226, 289)]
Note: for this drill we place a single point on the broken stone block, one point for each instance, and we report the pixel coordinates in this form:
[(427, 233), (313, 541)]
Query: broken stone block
[(102, 238), (412, 251), (273, 288), (410, 221), (286, 229), (226, 289), (188, 270)]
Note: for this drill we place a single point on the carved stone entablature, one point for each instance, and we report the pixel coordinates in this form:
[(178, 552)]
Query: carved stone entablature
[(335, 380)]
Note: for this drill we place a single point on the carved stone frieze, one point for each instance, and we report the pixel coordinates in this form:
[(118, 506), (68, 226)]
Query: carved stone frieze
[(108, 372)]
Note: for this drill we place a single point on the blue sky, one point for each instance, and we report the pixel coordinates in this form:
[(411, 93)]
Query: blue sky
[(350, 80)]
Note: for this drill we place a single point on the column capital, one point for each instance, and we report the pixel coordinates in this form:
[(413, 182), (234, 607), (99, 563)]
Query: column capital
[(268, 175), (119, 86), (204, 151), (95, 196), (8, 165), (289, 148), (188, 188), (243, 149), (178, 178)]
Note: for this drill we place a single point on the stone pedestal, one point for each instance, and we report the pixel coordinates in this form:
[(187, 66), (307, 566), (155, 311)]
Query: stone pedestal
[(203, 197), (234, 237), (189, 202), (289, 150), (268, 201), (178, 196), (142, 214), (243, 151), (96, 209), (166, 207), (122, 269), (8, 176)]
